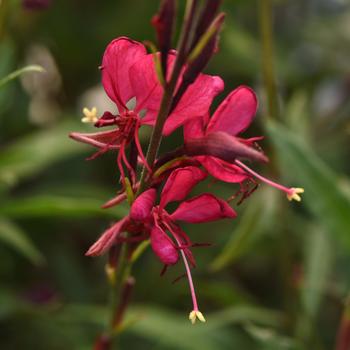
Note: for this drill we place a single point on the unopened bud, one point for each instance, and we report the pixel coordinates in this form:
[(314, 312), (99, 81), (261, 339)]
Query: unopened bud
[(224, 146), (163, 22), (209, 11), (200, 56)]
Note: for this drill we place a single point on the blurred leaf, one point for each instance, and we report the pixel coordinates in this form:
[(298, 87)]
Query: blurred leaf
[(15, 237), (255, 219), (7, 53), (324, 195), (317, 268), (164, 326), (35, 152), (18, 72), (296, 113), (57, 206), (270, 339)]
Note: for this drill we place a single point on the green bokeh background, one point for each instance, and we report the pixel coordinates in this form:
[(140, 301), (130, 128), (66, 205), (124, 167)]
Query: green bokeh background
[(275, 278)]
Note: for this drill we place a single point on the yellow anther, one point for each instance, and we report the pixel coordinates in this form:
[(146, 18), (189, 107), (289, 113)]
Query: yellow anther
[(90, 116), (194, 315), (295, 194)]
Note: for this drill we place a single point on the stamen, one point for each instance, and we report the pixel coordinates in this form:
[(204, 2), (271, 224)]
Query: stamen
[(295, 194), (129, 167), (120, 164), (292, 193), (139, 149), (90, 116), (194, 315)]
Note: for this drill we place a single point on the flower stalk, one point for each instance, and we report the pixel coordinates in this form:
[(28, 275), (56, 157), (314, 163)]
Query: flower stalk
[(266, 28), (169, 90)]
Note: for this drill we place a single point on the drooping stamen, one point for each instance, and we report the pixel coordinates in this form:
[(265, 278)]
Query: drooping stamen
[(292, 193), (103, 150), (120, 164), (129, 167), (139, 148), (187, 267), (190, 281)]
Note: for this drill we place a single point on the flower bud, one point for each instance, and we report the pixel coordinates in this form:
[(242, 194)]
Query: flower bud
[(206, 17), (163, 22), (224, 146), (200, 56)]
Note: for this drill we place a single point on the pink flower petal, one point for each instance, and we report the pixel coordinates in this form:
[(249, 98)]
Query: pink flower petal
[(195, 127), (110, 138), (235, 113), (163, 246), (180, 183), (108, 238), (119, 56), (143, 204), (195, 102), (203, 208), (222, 170), (148, 90)]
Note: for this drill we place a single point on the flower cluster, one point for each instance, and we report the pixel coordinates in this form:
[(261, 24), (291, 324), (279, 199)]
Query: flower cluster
[(212, 145)]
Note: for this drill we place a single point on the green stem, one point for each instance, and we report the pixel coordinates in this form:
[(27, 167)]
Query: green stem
[(265, 14), (116, 287), (169, 89), (18, 72)]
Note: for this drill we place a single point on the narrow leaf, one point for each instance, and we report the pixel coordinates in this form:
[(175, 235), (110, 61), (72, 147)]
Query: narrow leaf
[(15, 237), (324, 195), (56, 206), (18, 72)]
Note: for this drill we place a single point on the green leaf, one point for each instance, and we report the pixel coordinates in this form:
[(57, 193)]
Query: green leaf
[(270, 339), (57, 206), (164, 327), (317, 268), (255, 220), (324, 195), (18, 72), (15, 237), (35, 152)]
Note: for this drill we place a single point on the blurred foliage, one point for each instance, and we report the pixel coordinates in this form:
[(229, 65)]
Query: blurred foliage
[(276, 278)]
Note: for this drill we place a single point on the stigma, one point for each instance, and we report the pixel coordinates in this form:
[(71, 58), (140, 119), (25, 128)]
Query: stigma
[(90, 115), (194, 314)]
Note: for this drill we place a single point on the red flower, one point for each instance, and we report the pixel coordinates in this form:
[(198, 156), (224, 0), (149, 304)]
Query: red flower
[(203, 208), (232, 117), (129, 72)]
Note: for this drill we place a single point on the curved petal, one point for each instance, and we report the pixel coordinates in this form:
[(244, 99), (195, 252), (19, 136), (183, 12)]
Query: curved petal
[(222, 170), (147, 88), (107, 239), (180, 183), (203, 208), (143, 204), (119, 56), (235, 113), (195, 102), (163, 246), (110, 138)]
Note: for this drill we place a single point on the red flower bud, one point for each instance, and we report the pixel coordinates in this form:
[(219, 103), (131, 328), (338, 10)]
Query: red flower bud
[(163, 22), (224, 146)]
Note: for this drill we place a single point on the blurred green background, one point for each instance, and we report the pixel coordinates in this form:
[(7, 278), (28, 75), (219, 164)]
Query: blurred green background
[(275, 278)]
